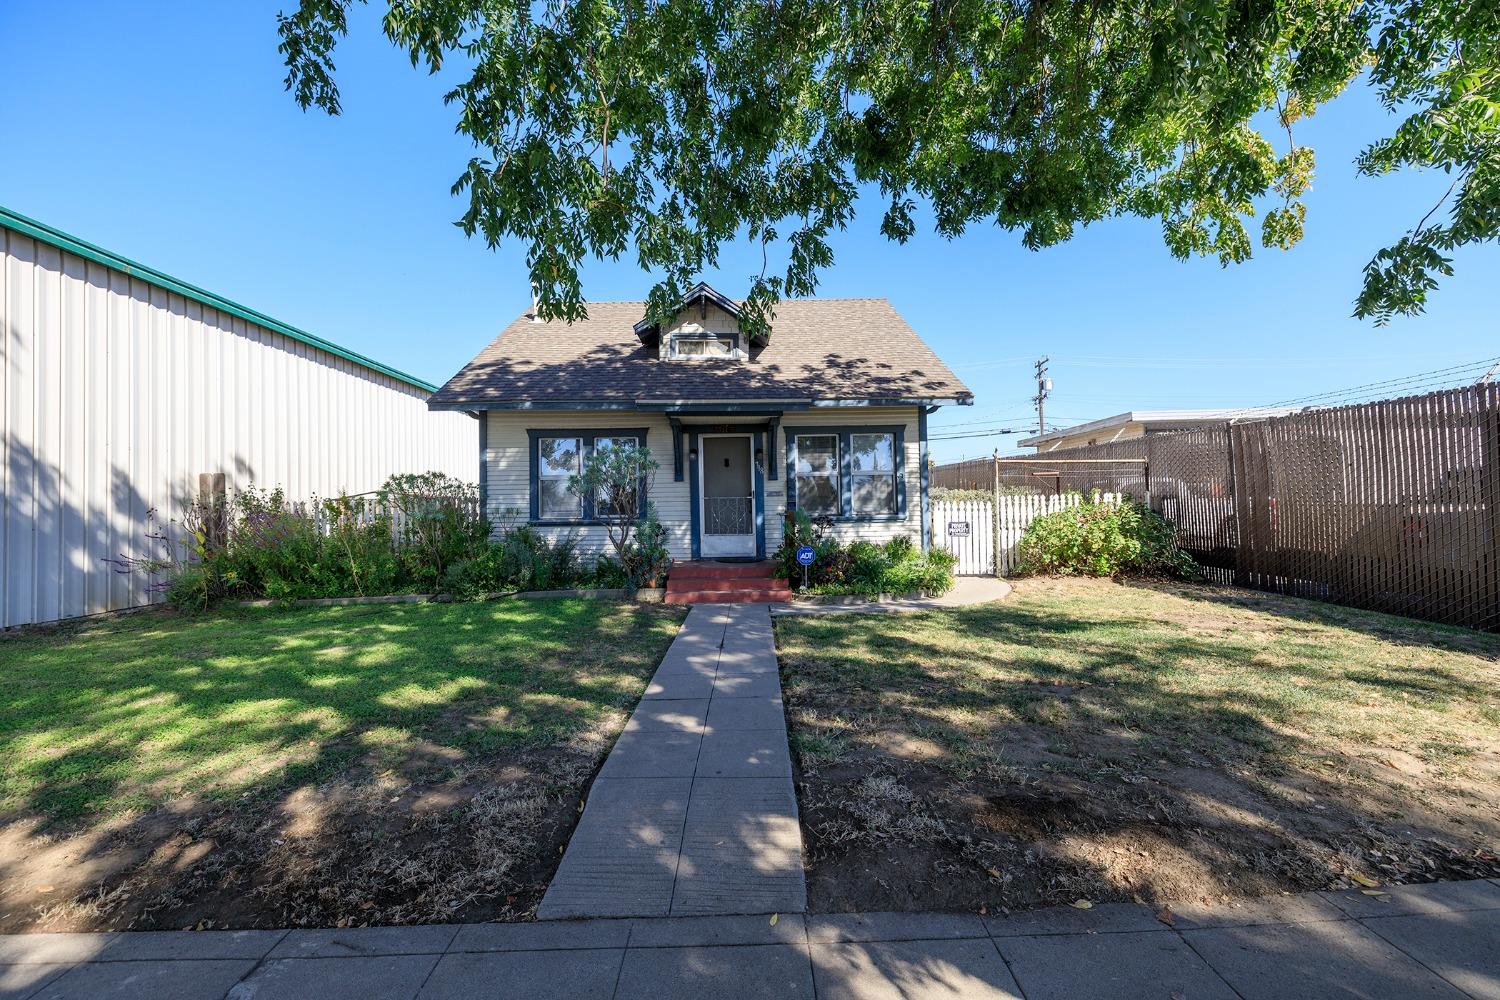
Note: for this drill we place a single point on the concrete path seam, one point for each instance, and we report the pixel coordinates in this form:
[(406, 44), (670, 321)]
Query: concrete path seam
[(1211, 966), (1366, 924), (697, 759)]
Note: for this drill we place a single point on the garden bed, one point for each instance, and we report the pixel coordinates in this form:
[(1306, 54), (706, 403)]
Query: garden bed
[(1088, 740), (332, 766)]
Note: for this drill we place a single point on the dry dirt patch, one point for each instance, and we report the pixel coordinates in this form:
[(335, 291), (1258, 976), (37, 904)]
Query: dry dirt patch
[(1091, 740)]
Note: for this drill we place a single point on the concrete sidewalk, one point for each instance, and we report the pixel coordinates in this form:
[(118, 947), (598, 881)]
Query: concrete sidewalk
[(694, 811), (1439, 941)]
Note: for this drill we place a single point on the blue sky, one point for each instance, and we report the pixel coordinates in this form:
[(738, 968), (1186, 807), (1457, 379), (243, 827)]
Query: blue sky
[(161, 131)]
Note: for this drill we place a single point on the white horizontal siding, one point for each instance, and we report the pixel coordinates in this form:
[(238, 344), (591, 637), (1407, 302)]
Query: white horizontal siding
[(507, 463), (117, 394)]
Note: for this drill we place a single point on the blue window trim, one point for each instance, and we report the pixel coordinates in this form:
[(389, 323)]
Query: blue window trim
[(846, 478), (484, 464), (923, 475), (692, 436), (588, 436)]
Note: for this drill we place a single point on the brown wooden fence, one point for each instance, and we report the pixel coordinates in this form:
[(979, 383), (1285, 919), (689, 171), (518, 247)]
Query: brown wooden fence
[(1392, 505)]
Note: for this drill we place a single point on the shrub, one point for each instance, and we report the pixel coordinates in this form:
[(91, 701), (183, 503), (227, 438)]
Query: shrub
[(798, 530), (1103, 539), (897, 567), (645, 560), (529, 561), (900, 547), (421, 533), (932, 573), (438, 520), (608, 573), (868, 566), (522, 558)]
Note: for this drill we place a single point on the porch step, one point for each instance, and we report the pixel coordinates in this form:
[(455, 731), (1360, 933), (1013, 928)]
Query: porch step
[(726, 583), (730, 595), (721, 571)]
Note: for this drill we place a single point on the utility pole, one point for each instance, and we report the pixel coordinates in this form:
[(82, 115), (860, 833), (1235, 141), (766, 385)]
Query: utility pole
[(1043, 390)]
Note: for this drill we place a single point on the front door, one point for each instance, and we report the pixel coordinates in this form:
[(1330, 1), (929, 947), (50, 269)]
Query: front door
[(727, 495)]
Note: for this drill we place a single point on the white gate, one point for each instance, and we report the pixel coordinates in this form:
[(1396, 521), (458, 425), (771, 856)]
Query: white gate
[(967, 528)]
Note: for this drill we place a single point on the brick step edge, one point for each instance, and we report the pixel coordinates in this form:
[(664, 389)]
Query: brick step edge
[(757, 596), (727, 571), (734, 583)]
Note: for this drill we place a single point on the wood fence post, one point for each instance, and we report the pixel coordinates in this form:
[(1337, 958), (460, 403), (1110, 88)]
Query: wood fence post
[(214, 508), (1489, 492), (995, 515), (1242, 510)]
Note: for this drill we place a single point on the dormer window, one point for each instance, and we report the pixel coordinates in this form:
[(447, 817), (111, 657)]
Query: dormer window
[(704, 345)]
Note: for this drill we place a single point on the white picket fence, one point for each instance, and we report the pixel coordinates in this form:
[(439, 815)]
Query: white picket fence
[(969, 528)]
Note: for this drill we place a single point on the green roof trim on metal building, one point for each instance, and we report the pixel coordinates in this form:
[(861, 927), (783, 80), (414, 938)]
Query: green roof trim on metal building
[(72, 244)]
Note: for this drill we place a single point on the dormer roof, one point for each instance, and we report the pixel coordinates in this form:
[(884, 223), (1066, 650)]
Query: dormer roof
[(701, 295)]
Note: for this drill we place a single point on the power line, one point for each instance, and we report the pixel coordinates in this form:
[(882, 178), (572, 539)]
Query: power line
[(995, 432), (1404, 384), (1127, 361)]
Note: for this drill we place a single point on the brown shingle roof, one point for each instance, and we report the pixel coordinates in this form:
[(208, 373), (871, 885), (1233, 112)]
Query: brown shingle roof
[(820, 349)]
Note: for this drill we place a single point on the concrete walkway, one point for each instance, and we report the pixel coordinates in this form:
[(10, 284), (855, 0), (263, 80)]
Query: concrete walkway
[(1435, 941), (694, 811)]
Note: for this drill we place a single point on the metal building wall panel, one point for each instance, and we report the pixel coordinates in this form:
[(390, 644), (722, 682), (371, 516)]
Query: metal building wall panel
[(116, 393)]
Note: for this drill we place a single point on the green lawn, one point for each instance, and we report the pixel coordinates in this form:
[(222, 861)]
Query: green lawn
[(1095, 738), (127, 713)]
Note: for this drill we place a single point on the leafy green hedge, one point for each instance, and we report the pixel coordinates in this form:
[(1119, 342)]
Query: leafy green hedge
[(1103, 539), (897, 567), (422, 534)]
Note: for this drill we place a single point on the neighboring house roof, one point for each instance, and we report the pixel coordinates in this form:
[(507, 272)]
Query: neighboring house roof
[(820, 350), (1156, 419), (72, 244)]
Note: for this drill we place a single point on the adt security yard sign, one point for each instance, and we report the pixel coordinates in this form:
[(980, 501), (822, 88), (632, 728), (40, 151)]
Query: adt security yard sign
[(958, 529), (805, 557)]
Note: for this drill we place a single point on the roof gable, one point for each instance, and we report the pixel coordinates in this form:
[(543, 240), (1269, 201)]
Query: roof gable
[(824, 350), (701, 295)]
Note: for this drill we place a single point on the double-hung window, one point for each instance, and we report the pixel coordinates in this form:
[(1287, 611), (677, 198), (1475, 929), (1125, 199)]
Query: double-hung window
[(626, 501), (558, 459), (558, 456), (872, 473), (817, 474), (853, 472)]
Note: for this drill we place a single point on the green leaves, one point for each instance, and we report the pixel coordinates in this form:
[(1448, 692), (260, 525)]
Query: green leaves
[(673, 127)]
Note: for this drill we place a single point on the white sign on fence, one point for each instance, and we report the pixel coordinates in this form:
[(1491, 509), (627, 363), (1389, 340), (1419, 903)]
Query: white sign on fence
[(968, 528)]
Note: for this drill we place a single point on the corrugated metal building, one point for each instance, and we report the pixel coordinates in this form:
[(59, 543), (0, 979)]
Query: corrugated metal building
[(122, 385)]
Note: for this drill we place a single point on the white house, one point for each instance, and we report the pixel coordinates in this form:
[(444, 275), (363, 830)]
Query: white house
[(827, 414)]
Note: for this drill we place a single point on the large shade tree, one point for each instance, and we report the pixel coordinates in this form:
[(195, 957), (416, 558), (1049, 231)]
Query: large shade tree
[(667, 128)]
